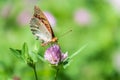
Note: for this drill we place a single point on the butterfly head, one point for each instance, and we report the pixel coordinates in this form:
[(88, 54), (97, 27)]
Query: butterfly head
[(54, 39)]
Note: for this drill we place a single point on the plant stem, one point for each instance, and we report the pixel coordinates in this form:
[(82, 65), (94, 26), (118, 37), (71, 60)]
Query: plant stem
[(56, 75), (35, 72)]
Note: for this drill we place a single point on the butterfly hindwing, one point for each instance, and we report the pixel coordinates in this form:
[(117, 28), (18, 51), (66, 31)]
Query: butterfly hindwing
[(39, 30)]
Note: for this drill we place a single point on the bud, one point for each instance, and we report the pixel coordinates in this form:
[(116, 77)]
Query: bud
[(54, 55)]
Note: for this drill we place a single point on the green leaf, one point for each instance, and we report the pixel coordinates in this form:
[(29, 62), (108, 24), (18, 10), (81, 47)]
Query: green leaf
[(34, 57), (78, 51), (25, 51), (16, 52), (36, 47), (41, 58), (67, 61), (66, 65)]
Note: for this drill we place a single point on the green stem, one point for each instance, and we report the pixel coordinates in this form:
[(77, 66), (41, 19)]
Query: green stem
[(35, 72), (56, 75)]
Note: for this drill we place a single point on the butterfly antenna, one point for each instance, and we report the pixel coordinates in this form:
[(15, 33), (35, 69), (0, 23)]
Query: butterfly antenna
[(65, 33)]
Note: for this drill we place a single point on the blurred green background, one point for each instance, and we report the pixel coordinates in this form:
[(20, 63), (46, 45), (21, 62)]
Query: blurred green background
[(93, 22)]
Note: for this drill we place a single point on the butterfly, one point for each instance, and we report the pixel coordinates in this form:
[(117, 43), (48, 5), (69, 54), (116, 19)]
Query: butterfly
[(41, 27)]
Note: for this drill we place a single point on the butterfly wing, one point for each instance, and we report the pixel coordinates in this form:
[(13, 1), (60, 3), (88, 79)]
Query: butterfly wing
[(39, 30), (40, 26)]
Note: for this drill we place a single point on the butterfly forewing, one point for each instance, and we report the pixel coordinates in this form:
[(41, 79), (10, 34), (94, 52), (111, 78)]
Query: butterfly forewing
[(40, 15), (41, 28)]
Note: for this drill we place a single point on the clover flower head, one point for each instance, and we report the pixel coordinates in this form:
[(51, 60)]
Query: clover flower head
[(54, 55)]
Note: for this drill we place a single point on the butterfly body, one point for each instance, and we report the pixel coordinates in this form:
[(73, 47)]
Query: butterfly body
[(41, 27)]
